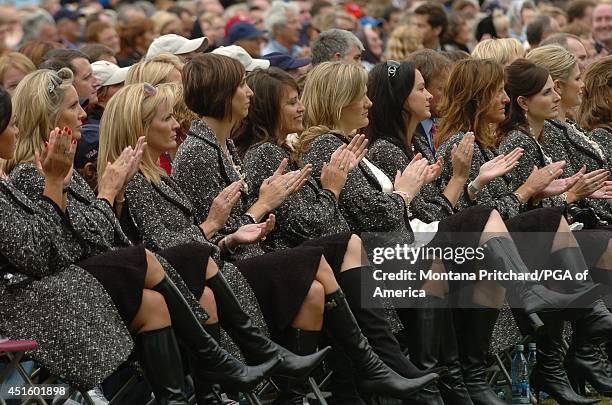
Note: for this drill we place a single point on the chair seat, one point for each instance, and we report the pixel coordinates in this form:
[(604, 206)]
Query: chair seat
[(11, 346)]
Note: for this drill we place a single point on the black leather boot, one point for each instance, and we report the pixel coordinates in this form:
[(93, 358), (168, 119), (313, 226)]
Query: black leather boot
[(375, 327), (475, 328), (584, 360), (302, 343), (501, 255), (452, 387), (373, 376), (548, 375), (207, 392), (215, 364), (423, 342), (256, 346), (160, 359)]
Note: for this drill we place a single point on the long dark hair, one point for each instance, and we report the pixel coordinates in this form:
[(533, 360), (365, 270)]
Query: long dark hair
[(262, 123), (6, 109), (388, 88), (523, 78)]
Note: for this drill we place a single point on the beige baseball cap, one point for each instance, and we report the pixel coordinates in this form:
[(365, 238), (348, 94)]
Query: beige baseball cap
[(176, 44), (242, 56), (108, 73)]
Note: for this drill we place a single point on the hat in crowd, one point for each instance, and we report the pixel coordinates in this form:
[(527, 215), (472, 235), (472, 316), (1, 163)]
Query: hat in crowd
[(108, 73), (286, 62), (87, 146), (244, 30), (65, 13), (176, 44), (231, 21), (374, 22), (242, 56), (353, 9)]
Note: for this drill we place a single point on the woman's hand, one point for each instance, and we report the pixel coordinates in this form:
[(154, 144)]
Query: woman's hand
[(335, 173), (221, 208), (604, 193), (134, 162), (461, 156), (114, 177), (358, 150), (539, 179), (560, 186), (412, 178), (276, 188), (433, 171), (589, 184), (499, 166), (251, 233), (57, 159)]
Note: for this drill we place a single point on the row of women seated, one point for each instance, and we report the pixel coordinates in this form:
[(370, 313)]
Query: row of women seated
[(260, 240)]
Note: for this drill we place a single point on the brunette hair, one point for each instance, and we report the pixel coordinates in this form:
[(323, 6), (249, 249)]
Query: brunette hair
[(472, 85), (388, 89), (209, 83), (94, 29), (523, 78), (129, 32), (595, 109), (36, 50), (262, 123)]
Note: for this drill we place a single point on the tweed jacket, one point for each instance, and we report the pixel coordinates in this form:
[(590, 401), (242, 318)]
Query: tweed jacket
[(43, 297), (603, 137), (363, 204), (203, 170), (94, 221), (567, 142), (429, 204), (496, 194), (310, 213), (533, 155)]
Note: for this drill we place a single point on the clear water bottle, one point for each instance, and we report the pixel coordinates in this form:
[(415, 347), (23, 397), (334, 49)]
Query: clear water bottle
[(531, 358), (520, 377)]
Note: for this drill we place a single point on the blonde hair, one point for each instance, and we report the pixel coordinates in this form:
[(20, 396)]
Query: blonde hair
[(501, 50), (596, 108), (154, 70), (556, 59), (17, 61), (404, 40), (127, 117), (162, 19), (36, 105), (329, 87)]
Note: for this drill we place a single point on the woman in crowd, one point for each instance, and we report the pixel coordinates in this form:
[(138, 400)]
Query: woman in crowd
[(94, 220), (475, 100), (115, 290), (503, 50), (220, 80), (595, 114), (136, 35), (561, 139), (13, 67), (312, 215), (163, 68)]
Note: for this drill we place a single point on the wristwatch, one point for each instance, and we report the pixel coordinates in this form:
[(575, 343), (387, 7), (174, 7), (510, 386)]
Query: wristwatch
[(472, 188)]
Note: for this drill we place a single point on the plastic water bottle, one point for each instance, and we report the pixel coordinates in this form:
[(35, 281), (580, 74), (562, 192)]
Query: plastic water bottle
[(531, 358), (520, 377)]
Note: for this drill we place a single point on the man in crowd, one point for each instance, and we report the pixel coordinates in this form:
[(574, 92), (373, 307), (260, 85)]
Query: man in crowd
[(247, 36), (336, 44), (84, 82), (283, 24), (431, 20), (602, 25)]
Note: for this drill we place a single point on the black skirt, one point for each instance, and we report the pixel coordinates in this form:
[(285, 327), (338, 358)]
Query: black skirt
[(122, 273), (190, 261), (281, 280), (334, 248)]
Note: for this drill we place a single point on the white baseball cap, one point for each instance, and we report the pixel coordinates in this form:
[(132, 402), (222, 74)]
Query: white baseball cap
[(108, 73), (242, 56), (175, 44)]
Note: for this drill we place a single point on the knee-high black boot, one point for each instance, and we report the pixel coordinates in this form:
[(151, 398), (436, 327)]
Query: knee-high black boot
[(215, 364), (501, 255), (160, 358), (548, 375), (255, 345), (452, 387), (583, 360), (374, 377), (375, 327), (475, 328), (207, 392), (423, 341), (300, 342)]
